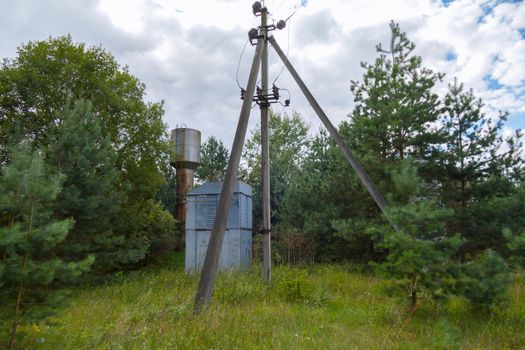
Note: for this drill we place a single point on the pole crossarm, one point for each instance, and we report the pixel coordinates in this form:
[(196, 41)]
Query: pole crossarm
[(211, 260), (354, 163)]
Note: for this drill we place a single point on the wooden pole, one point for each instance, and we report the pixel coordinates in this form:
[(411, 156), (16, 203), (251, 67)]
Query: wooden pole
[(265, 142), (211, 261), (361, 173)]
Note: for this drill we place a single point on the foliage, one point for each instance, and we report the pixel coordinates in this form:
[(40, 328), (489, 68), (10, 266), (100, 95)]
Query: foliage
[(395, 107), (476, 167), (214, 161), (325, 191), (485, 281), (394, 118), (27, 192), (35, 86), (91, 193), (421, 252), (289, 141), (516, 244), (153, 230), (166, 192)]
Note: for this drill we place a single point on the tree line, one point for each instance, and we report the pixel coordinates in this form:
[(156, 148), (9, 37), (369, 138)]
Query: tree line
[(86, 188), (83, 163), (453, 179)]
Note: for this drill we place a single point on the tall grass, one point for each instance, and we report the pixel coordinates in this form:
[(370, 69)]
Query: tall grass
[(321, 307)]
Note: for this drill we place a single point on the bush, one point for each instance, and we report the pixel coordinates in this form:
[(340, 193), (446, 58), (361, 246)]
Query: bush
[(295, 286), (485, 281)]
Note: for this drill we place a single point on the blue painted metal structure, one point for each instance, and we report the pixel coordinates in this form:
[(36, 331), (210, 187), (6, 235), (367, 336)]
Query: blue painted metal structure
[(201, 208)]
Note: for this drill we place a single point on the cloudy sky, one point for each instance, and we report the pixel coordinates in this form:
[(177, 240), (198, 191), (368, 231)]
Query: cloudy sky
[(187, 51)]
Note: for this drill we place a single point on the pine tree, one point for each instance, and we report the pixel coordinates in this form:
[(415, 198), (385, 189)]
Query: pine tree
[(395, 105), (475, 168), (421, 254), (214, 160), (394, 119), (44, 74), (90, 194), (516, 244), (27, 194), (484, 281)]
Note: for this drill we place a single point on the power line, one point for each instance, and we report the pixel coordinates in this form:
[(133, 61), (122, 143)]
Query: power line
[(287, 51), (239, 64), (282, 3)]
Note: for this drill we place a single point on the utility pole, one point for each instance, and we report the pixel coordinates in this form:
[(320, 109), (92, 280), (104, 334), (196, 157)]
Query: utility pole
[(211, 260), (265, 150), (264, 98)]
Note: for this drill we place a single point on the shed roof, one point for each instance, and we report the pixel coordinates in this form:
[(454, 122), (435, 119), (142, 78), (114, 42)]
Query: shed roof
[(216, 188)]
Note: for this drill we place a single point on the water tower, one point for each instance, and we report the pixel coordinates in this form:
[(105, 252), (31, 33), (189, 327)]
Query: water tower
[(187, 159)]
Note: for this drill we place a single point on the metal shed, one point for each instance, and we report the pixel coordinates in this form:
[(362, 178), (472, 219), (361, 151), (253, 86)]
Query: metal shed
[(201, 208)]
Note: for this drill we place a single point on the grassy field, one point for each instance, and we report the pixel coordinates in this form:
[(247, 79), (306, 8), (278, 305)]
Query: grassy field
[(321, 307)]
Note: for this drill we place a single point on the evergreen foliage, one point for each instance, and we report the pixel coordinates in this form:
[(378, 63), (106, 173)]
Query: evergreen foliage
[(468, 190), (395, 106), (125, 140), (476, 167), (394, 119), (166, 192), (27, 261), (516, 244), (91, 193), (421, 253), (214, 161), (288, 143), (485, 281)]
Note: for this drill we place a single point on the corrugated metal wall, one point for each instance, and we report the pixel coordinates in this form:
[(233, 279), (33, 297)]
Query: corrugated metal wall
[(201, 207)]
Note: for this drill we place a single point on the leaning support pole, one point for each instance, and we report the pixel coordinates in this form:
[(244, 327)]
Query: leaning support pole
[(211, 261), (361, 173)]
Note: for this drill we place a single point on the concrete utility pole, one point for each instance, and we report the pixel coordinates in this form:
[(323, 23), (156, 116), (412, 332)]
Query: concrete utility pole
[(266, 210), (263, 98), (211, 261), (361, 173)]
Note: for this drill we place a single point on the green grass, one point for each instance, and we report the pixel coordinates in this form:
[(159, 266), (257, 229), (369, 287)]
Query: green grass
[(322, 307)]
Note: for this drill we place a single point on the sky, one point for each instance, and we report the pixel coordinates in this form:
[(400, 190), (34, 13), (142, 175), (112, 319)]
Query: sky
[(188, 52)]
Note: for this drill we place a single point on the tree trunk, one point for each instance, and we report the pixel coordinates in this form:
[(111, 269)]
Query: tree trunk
[(413, 296), (413, 300), (12, 340), (9, 226)]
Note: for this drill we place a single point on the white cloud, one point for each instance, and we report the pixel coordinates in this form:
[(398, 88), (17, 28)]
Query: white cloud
[(187, 51)]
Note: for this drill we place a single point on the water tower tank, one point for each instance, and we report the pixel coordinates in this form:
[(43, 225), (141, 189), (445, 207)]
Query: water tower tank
[(186, 159), (187, 148)]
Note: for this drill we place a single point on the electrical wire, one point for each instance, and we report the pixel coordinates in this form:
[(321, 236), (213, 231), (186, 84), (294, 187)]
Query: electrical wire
[(288, 91), (282, 3), (239, 64), (293, 13), (287, 52)]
